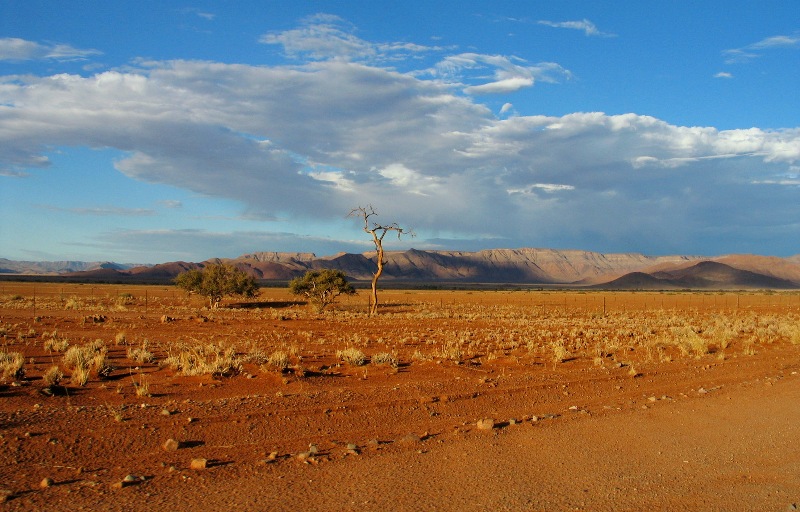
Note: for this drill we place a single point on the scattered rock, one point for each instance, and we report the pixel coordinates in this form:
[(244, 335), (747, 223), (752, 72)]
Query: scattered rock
[(409, 439), (171, 445), (198, 464), (485, 424), (165, 412), (46, 482), (129, 480)]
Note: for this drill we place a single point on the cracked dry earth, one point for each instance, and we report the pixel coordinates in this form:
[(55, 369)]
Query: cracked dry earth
[(504, 433)]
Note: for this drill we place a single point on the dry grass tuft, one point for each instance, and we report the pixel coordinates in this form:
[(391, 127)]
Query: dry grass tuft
[(11, 365), (352, 356)]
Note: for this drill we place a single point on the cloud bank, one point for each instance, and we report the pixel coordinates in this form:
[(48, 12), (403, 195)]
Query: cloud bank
[(313, 139)]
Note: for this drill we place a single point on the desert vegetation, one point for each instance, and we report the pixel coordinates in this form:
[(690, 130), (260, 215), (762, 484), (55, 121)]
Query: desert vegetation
[(476, 328), (264, 379)]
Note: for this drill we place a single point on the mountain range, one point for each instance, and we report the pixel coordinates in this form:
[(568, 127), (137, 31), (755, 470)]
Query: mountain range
[(526, 266)]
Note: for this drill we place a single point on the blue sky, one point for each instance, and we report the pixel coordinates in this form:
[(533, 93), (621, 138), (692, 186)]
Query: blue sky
[(155, 131)]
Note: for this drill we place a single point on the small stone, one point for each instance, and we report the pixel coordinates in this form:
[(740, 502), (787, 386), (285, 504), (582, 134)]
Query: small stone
[(273, 455), (165, 412), (46, 482), (534, 419), (410, 439), (312, 449), (485, 424), (198, 464), (171, 445), (652, 399), (702, 391), (573, 408)]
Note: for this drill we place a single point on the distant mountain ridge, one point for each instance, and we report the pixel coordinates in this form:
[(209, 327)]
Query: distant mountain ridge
[(58, 267), (513, 266)]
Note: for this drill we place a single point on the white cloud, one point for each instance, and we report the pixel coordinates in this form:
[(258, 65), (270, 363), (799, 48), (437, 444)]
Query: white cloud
[(15, 49), (509, 73), (723, 74), (584, 25), (755, 50), (326, 36), (312, 141)]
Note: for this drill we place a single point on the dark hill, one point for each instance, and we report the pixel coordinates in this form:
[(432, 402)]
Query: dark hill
[(702, 275)]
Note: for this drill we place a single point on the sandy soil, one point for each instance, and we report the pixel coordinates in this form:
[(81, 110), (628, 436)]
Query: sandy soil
[(718, 431)]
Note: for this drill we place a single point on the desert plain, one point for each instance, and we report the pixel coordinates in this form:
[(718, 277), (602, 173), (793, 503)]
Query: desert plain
[(126, 397)]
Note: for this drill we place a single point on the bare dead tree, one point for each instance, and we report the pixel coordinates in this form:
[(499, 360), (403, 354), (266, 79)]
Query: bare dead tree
[(378, 232)]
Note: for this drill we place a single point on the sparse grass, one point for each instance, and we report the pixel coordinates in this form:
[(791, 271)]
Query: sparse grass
[(142, 386), (352, 356), (11, 365), (82, 360), (560, 352), (52, 377), (204, 359), (279, 360), (451, 351), (384, 358), (141, 354), (56, 345)]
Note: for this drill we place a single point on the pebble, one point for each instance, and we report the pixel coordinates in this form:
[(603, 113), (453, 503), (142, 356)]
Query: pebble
[(171, 445), (198, 464), (46, 482), (410, 438), (485, 424)]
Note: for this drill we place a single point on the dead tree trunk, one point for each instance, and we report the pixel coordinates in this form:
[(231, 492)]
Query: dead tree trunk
[(378, 232)]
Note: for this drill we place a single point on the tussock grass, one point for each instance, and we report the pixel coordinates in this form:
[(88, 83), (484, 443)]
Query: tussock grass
[(352, 356), (11, 365), (85, 359), (204, 359), (386, 358)]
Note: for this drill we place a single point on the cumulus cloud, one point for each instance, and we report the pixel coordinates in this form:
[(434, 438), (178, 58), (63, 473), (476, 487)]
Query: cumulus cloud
[(16, 49), (311, 141), (723, 74)]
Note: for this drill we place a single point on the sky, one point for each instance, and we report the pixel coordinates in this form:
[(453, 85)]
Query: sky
[(155, 131)]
